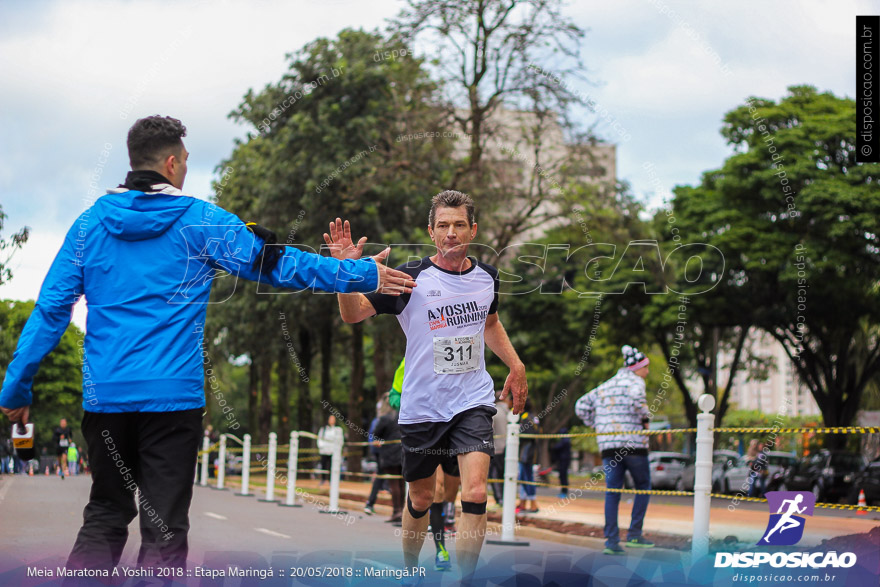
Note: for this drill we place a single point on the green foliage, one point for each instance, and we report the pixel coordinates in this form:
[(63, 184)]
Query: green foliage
[(798, 221), (9, 247)]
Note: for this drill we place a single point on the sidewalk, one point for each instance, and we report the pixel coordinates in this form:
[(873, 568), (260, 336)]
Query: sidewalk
[(669, 525)]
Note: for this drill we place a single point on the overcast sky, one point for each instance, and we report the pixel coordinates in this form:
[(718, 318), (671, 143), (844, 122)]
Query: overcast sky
[(76, 74)]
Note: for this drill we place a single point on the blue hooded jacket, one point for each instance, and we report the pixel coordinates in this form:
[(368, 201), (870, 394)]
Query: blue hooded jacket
[(145, 262)]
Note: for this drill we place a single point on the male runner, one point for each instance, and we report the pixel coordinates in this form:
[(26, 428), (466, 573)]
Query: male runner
[(445, 489), (449, 394)]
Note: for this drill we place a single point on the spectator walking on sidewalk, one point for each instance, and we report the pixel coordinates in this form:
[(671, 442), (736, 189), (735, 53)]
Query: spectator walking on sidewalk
[(619, 405)]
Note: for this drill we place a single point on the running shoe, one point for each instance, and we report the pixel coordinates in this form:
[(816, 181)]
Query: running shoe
[(639, 542), (369, 510), (615, 550), (441, 562)]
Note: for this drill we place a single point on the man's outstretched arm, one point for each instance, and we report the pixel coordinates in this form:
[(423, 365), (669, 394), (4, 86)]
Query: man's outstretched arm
[(61, 289)]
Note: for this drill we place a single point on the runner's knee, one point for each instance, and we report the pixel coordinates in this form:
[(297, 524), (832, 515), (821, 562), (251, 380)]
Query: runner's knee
[(474, 494)]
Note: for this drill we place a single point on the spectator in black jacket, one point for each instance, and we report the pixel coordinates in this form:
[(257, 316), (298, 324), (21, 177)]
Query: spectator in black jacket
[(391, 456), (562, 452)]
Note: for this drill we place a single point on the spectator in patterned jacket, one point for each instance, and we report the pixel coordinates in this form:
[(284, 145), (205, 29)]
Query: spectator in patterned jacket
[(619, 405)]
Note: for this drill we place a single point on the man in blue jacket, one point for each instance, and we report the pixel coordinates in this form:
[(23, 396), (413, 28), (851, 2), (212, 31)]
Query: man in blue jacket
[(144, 256)]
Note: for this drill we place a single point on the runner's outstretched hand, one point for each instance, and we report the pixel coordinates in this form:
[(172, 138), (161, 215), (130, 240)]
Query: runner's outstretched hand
[(391, 281)]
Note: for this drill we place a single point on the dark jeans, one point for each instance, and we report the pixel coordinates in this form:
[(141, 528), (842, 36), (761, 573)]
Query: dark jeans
[(378, 482), (397, 488), (496, 471), (562, 468), (526, 473), (155, 454), (756, 481), (637, 465), (326, 461)]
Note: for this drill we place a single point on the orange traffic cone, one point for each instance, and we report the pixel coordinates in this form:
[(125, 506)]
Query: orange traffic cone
[(47, 470), (31, 471), (862, 503)]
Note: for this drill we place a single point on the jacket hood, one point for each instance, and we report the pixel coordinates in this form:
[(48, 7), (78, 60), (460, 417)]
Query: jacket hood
[(132, 215)]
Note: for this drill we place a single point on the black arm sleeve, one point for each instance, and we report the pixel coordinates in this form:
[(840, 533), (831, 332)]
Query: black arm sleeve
[(493, 307), (385, 304)]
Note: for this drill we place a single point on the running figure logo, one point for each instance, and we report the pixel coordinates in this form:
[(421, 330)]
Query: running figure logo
[(786, 526)]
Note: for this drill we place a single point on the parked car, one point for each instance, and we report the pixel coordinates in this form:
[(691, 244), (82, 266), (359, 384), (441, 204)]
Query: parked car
[(720, 461), (823, 473), (736, 476), (868, 480), (666, 469)]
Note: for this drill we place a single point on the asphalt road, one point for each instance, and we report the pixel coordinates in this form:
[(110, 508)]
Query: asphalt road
[(41, 515)]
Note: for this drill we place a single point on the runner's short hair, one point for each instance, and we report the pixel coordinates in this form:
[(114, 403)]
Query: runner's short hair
[(451, 199), (152, 139)]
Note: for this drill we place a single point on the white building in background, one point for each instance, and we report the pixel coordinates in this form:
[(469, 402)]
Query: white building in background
[(769, 395)]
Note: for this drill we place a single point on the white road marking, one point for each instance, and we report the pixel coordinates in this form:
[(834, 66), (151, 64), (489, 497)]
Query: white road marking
[(271, 533), (5, 488), (215, 516)]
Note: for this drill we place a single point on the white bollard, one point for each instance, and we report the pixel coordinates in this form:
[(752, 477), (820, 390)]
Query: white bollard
[(206, 443), (270, 472), (221, 468), (703, 477), (511, 472), (335, 473), (245, 465), (292, 466)]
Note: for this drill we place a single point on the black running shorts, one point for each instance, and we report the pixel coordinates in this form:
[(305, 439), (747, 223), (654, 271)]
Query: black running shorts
[(429, 444)]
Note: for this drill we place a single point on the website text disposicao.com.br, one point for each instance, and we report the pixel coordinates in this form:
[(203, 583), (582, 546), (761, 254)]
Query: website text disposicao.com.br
[(788, 560)]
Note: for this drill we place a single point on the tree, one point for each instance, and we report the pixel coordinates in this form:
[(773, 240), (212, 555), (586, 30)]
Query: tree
[(798, 219), (326, 143), (9, 247), (503, 53)]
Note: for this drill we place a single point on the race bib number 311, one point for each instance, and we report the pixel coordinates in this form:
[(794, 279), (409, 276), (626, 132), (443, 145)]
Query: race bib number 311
[(457, 354)]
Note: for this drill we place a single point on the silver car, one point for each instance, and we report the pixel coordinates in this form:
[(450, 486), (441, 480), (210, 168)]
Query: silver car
[(736, 477), (721, 460), (666, 469)]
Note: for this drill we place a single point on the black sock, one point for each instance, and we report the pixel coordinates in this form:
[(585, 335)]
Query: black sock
[(437, 528)]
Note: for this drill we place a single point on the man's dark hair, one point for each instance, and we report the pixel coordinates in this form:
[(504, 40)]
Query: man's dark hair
[(152, 139), (451, 199)]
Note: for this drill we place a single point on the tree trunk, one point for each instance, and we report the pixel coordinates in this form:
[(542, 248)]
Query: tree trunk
[(253, 393), (690, 408), (356, 394), (265, 398), (384, 377), (326, 341), (283, 409), (304, 397)]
